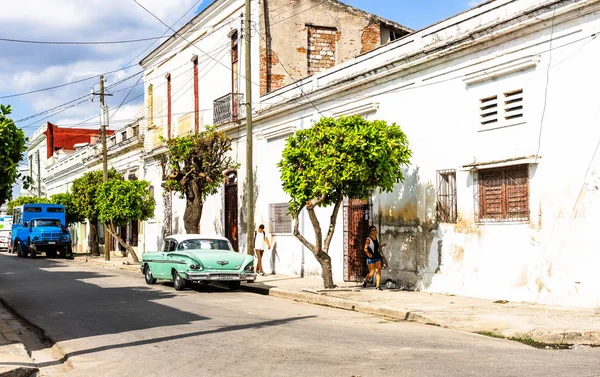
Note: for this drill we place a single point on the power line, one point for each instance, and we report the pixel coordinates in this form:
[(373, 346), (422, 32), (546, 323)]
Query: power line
[(66, 84), (79, 42), (182, 37), (288, 73)]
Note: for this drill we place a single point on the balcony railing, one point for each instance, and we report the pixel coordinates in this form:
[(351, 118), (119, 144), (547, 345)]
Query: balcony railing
[(229, 108)]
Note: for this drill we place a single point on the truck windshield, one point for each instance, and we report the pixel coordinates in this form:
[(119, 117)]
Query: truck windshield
[(36, 223)]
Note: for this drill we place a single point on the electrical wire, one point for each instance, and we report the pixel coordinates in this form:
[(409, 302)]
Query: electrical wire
[(80, 42), (196, 47)]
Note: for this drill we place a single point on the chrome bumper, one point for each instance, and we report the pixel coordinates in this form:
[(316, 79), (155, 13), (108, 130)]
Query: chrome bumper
[(219, 276)]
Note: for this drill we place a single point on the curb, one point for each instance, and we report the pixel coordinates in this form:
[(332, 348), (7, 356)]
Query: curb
[(341, 303), (22, 358)]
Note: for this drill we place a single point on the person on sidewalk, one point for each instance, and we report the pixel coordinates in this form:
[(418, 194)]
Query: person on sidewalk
[(374, 258), (260, 239)]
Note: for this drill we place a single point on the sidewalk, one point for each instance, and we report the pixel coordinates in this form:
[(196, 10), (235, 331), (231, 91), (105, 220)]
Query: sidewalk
[(538, 325), (14, 359)]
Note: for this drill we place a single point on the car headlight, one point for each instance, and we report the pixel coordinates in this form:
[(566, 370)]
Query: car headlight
[(249, 268), (65, 238)]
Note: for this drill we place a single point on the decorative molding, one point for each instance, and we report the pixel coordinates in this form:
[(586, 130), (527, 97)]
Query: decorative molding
[(278, 131), (365, 108), (533, 159), (502, 70)]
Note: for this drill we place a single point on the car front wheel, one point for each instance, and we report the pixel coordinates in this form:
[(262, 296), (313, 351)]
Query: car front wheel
[(178, 281), (148, 276)]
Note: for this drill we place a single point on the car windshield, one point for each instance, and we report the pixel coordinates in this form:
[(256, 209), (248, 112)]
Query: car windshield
[(204, 244), (46, 222)]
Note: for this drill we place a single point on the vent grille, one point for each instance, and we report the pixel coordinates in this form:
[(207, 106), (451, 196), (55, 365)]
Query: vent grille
[(513, 105), (488, 110)]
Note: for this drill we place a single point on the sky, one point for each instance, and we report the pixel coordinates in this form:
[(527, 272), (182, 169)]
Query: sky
[(28, 67)]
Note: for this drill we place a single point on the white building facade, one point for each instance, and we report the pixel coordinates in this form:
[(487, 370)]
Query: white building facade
[(502, 197)]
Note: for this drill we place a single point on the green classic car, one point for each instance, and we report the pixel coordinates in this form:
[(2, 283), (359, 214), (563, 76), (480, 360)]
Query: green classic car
[(200, 259)]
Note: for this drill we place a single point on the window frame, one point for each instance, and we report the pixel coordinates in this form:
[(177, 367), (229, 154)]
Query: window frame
[(450, 196), (277, 226), (505, 181)]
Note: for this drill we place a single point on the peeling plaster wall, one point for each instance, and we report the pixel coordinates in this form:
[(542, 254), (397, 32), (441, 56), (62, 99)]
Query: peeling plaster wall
[(288, 24), (550, 259)]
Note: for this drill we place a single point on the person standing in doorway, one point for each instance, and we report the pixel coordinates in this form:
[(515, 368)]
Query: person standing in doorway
[(260, 240), (374, 258)]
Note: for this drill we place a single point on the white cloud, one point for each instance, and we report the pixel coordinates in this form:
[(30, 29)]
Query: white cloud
[(25, 67)]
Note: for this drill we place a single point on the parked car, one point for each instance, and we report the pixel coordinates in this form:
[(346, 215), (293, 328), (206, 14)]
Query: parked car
[(196, 258), (5, 229)]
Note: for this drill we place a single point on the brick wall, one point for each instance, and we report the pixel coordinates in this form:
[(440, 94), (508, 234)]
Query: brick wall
[(370, 38), (321, 48), (269, 81)]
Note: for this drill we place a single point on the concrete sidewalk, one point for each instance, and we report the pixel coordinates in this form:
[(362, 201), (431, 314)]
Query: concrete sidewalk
[(538, 325), (14, 359)]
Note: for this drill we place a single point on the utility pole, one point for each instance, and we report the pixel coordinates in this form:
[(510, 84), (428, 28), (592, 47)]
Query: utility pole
[(39, 174), (103, 125), (249, 163)]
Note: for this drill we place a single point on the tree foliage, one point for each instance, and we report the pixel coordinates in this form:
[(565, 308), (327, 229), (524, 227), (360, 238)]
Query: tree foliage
[(25, 200), (72, 212), (119, 202), (83, 193), (12, 146), (349, 156), (197, 163)]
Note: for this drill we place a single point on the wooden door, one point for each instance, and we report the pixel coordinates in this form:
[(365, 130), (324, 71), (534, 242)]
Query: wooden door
[(357, 219)]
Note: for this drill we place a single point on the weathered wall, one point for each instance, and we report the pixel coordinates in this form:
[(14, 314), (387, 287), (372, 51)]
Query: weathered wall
[(286, 38)]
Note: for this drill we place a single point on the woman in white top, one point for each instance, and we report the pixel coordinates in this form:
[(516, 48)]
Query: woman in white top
[(260, 239)]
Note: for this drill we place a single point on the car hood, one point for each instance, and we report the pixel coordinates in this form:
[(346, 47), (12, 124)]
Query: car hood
[(218, 259)]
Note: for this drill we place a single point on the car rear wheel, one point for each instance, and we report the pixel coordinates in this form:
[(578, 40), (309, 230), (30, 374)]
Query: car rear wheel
[(234, 285), (178, 281), (148, 276)]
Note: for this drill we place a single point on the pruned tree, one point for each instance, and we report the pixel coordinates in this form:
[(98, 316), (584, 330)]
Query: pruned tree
[(120, 202), (197, 163), (83, 194), (72, 212), (337, 158), (12, 146)]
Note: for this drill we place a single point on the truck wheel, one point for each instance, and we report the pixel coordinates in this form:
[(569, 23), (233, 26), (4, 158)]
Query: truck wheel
[(63, 252), (51, 254), (17, 247), (32, 251)]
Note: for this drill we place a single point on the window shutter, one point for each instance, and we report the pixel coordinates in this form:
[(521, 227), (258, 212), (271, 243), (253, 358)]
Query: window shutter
[(280, 221)]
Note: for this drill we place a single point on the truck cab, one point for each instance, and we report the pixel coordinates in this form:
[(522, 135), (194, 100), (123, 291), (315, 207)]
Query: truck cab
[(40, 228)]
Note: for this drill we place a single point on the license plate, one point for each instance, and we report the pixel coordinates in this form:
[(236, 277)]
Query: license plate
[(225, 277), (51, 242)]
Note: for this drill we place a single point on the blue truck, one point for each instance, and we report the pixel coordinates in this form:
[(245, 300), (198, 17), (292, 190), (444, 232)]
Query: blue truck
[(39, 228)]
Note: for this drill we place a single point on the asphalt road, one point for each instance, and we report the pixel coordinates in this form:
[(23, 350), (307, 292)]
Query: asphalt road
[(110, 323)]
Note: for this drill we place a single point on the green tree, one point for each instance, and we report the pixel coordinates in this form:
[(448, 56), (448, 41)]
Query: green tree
[(349, 156), (83, 194), (12, 146), (72, 212), (197, 163), (25, 200), (120, 202)]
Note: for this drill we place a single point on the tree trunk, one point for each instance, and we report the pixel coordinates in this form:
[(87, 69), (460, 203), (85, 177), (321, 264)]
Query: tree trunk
[(327, 274), (93, 240), (113, 232), (193, 209)]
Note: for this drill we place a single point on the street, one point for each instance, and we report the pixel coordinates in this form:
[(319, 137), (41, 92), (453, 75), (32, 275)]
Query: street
[(110, 323)]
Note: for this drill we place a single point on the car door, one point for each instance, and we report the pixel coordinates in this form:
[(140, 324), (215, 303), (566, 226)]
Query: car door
[(157, 263), (174, 259)]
